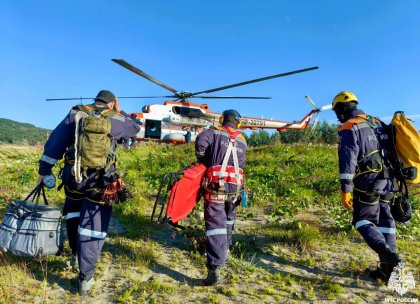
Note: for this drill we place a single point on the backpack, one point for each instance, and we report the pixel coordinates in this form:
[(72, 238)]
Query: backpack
[(93, 141), (407, 146), (397, 134)]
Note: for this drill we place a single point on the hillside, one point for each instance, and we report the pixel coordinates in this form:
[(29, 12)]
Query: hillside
[(294, 244), (13, 132)]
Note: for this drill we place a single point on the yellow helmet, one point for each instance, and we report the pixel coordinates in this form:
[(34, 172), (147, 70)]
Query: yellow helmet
[(344, 96)]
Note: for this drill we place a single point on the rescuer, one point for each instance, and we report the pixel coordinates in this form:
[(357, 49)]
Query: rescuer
[(222, 150), (366, 181), (88, 138)]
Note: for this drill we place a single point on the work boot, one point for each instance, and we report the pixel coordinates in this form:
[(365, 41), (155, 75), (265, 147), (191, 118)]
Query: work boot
[(85, 285), (74, 263), (213, 276), (388, 261), (377, 274)]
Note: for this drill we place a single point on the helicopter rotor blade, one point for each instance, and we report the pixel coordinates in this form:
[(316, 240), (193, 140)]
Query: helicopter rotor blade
[(311, 102), (254, 80), (131, 97), (143, 74), (315, 122), (72, 98), (122, 97), (327, 107), (230, 97)]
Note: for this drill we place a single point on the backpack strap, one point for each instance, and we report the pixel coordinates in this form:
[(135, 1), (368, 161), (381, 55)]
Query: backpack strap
[(77, 168), (230, 150)]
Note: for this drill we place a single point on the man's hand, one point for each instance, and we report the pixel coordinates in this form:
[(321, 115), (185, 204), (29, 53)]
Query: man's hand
[(40, 179), (347, 200), (117, 105)]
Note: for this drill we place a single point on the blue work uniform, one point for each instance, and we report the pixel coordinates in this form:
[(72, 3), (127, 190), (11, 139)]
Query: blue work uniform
[(219, 213), (87, 217), (363, 173)]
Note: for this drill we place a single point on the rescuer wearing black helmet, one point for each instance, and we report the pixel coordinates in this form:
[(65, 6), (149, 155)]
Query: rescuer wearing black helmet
[(232, 116), (222, 150), (86, 212), (364, 174)]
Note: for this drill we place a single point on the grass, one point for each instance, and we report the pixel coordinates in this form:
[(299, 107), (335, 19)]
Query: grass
[(295, 221)]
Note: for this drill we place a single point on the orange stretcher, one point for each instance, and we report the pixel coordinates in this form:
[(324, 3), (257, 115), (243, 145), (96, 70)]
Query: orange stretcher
[(178, 193)]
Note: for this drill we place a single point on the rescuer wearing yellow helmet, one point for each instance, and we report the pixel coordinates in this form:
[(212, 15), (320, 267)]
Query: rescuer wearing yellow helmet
[(364, 176)]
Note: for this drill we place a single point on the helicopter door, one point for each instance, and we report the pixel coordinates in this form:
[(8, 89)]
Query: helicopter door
[(153, 129)]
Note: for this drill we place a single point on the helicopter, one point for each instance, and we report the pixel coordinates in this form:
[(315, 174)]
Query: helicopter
[(169, 122)]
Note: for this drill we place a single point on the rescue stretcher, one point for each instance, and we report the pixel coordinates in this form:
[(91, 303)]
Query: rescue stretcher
[(178, 194)]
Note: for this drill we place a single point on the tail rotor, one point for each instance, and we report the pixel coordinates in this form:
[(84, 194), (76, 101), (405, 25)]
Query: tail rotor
[(318, 110)]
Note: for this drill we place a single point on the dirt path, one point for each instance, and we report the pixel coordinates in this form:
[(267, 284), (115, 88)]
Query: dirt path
[(177, 271)]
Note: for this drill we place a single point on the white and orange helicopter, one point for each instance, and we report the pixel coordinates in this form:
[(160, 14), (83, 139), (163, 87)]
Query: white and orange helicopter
[(170, 121)]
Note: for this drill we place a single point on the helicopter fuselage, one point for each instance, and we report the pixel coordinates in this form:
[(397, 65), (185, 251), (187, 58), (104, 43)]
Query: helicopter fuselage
[(172, 120)]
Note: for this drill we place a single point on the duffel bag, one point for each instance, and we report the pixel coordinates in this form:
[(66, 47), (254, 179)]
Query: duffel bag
[(31, 229)]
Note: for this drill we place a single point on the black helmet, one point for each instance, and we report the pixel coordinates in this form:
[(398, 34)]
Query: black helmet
[(105, 96), (232, 116)]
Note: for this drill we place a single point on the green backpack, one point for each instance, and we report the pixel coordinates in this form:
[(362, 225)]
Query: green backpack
[(93, 141)]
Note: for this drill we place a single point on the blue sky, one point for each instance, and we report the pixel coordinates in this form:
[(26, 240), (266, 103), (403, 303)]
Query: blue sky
[(53, 49)]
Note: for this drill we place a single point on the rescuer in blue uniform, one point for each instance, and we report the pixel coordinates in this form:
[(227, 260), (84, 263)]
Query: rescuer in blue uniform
[(223, 151), (365, 176), (87, 216)]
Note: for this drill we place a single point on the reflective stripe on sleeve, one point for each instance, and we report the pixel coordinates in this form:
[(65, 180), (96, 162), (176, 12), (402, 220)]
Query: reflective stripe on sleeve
[(363, 125), (230, 222), (92, 233), (387, 230), (346, 176), (362, 223), (71, 215), (48, 159), (216, 231), (118, 117)]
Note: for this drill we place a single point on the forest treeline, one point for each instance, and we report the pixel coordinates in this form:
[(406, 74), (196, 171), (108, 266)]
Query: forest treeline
[(323, 133), (13, 132)]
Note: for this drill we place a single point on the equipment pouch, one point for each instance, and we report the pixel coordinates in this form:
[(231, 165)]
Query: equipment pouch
[(371, 163), (401, 209)]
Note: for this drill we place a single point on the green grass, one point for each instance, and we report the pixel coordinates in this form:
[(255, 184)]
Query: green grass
[(295, 219)]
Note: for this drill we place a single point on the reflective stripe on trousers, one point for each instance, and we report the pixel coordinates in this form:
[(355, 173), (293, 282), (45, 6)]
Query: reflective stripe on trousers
[(374, 221), (219, 218), (92, 231), (72, 215)]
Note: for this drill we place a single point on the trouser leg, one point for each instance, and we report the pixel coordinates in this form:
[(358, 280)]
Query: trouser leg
[(365, 220), (386, 222), (71, 213), (230, 223), (216, 231), (94, 223)]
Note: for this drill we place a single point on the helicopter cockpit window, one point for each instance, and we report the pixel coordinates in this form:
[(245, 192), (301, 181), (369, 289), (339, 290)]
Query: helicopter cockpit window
[(190, 112)]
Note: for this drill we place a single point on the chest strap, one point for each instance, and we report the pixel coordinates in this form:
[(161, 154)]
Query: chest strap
[(224, 173)]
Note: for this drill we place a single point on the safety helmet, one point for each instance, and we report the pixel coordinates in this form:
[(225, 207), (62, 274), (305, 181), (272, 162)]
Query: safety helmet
[(232, 116), (344, 96)]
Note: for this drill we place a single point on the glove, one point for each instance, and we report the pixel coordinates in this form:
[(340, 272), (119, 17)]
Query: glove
[(347, 200), (49, 181)]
